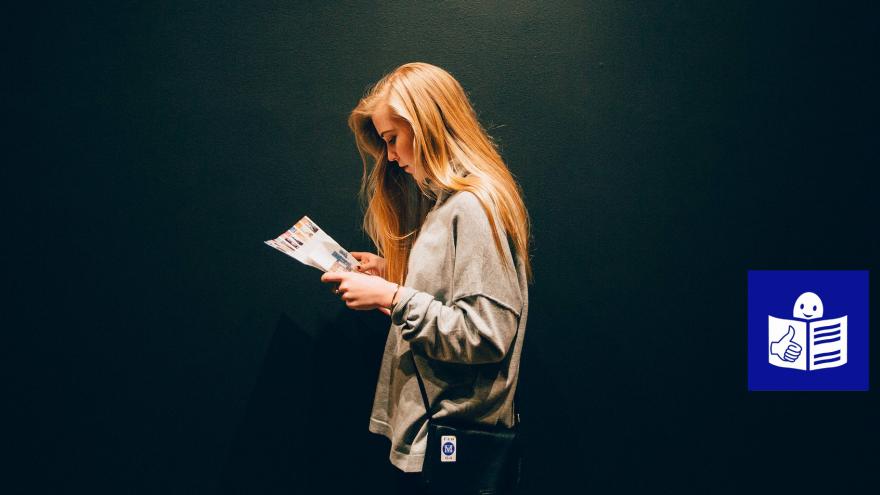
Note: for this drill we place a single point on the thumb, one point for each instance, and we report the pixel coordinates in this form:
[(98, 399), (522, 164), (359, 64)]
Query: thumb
[(385, 311), (790, 334)]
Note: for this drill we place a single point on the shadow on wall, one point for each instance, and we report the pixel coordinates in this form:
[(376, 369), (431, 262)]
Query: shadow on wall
[(305, 425), (554, 460)]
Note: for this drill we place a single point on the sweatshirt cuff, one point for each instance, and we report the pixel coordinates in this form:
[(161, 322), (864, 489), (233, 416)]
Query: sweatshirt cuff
[(398, 311)]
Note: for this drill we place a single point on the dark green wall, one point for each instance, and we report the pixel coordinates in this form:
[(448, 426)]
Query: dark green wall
[(665, 148)]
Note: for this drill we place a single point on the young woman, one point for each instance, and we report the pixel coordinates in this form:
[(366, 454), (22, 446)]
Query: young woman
[(453, 269)]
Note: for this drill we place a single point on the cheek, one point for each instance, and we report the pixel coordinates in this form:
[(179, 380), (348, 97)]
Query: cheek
[(406, 145)]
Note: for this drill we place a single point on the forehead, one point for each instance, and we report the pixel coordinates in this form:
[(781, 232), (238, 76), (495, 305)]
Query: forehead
[(384, 119)]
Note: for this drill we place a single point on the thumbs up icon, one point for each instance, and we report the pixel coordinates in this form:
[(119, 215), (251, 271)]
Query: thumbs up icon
[(785, 348)]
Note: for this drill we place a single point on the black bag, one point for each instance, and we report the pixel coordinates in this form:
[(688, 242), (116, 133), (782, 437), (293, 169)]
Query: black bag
[(470, 458)]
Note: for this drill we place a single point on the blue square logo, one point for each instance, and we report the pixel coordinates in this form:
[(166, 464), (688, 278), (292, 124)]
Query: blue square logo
[(808, 330)]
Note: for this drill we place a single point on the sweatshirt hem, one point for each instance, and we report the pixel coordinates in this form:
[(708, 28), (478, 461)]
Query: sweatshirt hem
[(408, 463)]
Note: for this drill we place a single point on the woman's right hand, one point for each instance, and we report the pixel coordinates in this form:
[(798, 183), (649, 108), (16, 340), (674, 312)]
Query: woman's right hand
[(370, 263)]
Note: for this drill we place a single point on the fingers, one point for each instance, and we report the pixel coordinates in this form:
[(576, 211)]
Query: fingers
[(368, 263), (792, 353), (362, 256), (333, 277), (367, 269)]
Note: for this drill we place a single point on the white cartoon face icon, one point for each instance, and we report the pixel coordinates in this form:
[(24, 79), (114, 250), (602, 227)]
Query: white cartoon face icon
[(808, 306)]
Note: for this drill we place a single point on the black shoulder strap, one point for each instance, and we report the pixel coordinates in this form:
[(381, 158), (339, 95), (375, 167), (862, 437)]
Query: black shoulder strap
[(421, 384)]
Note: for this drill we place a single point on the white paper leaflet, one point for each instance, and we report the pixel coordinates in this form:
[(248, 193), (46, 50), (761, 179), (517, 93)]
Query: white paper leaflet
[(310, 245)]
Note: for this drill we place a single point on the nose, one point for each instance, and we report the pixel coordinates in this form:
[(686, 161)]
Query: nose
[(392, 156)]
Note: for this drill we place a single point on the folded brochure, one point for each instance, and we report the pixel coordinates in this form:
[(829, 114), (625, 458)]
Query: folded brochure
[(310, 245)]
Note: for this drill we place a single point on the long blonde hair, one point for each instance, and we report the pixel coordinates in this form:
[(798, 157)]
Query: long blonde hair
[(451, 147)]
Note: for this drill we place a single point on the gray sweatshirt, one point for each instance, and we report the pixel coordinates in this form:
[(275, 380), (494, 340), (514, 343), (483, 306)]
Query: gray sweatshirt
[(462, 313)]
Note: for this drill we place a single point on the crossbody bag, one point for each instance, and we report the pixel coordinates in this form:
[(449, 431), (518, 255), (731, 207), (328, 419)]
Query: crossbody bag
[(464, 457)]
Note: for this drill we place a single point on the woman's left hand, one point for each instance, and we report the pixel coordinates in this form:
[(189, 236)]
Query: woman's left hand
[(362, 292)]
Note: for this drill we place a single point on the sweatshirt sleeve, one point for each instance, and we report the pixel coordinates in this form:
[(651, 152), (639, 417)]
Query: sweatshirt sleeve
[(479, 321)]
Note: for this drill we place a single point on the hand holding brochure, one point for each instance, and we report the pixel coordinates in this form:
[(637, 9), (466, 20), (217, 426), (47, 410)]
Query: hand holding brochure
[(310, 245)]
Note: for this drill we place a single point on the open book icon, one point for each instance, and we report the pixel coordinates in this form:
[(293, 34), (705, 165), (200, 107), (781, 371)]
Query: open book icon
[(807, 345)]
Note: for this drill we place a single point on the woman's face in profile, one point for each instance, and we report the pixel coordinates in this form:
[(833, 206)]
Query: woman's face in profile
[(398, 137)]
